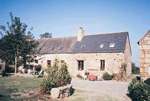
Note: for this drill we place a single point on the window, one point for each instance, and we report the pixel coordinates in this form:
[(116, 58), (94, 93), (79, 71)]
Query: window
[(102, 64), (62, 61), (48, 63), (36, 61), (102, 45), (52, 48), (80, 65), (83, 46), (61, 47), (112, 45), (40, 48)]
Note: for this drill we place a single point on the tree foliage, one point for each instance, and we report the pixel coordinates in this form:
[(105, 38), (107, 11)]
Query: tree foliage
[(57, 76), (138, 90), (135, 69), (46, 35), (15, 43)]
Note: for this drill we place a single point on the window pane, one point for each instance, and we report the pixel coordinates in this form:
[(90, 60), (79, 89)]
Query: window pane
[(80, 65)]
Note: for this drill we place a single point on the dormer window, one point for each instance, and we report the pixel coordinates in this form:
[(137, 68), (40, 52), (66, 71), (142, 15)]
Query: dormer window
[(102, 45), (83, 46), (52, 48), (61, 47), (112, 45)]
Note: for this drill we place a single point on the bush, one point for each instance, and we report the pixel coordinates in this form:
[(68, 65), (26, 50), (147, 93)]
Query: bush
[(79, 76), (26, 70), (56, 77), (138, 91), (107, 76), (20, 71)]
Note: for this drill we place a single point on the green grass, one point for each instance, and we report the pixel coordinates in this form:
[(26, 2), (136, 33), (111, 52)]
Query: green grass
[(78, 99), (10, 85)]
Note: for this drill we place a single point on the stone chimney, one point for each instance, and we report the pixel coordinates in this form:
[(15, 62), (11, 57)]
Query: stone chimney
[(80, 34)]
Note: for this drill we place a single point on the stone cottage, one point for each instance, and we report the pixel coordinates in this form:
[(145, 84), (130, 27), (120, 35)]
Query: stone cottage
[(144, 47), (95, 53)]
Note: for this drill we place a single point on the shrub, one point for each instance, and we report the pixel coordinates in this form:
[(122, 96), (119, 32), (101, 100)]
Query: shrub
[(79, 76), (107, 76), (26, 70), (56, 77), (63, 74), (138, 91), (20, 71)]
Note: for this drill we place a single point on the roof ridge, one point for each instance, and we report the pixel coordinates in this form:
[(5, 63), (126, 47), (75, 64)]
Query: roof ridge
[(58, 37), (107, 33)]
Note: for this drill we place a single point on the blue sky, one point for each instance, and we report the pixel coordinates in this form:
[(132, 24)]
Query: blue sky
[(63, 18)]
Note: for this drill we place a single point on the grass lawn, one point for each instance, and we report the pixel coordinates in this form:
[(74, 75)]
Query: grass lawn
[(10, 85), (26, 89)]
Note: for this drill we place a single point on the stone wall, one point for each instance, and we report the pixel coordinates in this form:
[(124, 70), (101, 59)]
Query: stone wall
[(91, 60), (127, 57), (144, 46)]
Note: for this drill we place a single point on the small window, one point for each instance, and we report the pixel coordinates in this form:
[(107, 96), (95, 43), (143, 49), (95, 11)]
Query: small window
[(83, 46), (36, 61), (81, 65), (102, 64), (61, 47), (62, 61), (48, 63), (112, 45), (40, 48), (52, 48), (102, 45)]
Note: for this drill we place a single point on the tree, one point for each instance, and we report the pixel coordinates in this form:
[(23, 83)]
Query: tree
[(29, 48), (46, 35), (15, 43), (135, 69)]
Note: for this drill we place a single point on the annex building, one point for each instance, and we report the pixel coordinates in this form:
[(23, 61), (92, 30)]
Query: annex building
[(144, 48)]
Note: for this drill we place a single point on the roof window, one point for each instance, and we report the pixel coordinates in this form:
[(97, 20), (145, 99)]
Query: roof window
[(102, 45), (40, 48), (52, 48), (112, 45), (61, 47), (83, 46)]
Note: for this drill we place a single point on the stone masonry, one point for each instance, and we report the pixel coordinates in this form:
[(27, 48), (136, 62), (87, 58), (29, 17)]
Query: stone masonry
[(92, 58), (144, 48)]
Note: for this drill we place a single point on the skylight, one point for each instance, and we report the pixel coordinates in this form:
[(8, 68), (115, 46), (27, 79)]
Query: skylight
[(52, 48), (102, 45), (61, 47), (40, 48), (83, 46), (112, 45)]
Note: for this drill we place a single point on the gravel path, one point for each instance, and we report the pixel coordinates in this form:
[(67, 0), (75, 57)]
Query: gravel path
[(116, 90)]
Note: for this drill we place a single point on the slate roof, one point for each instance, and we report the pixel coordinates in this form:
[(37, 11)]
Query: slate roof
[(91, 42), (46, 43)]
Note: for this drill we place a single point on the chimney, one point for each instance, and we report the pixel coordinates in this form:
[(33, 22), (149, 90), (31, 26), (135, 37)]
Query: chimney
[(80, 33)]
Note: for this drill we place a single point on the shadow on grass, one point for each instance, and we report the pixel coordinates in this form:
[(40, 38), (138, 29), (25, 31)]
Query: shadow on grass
[(5, 93), (72, 91)]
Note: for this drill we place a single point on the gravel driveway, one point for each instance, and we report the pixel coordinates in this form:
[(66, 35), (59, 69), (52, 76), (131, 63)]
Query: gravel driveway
[(117, 90)]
